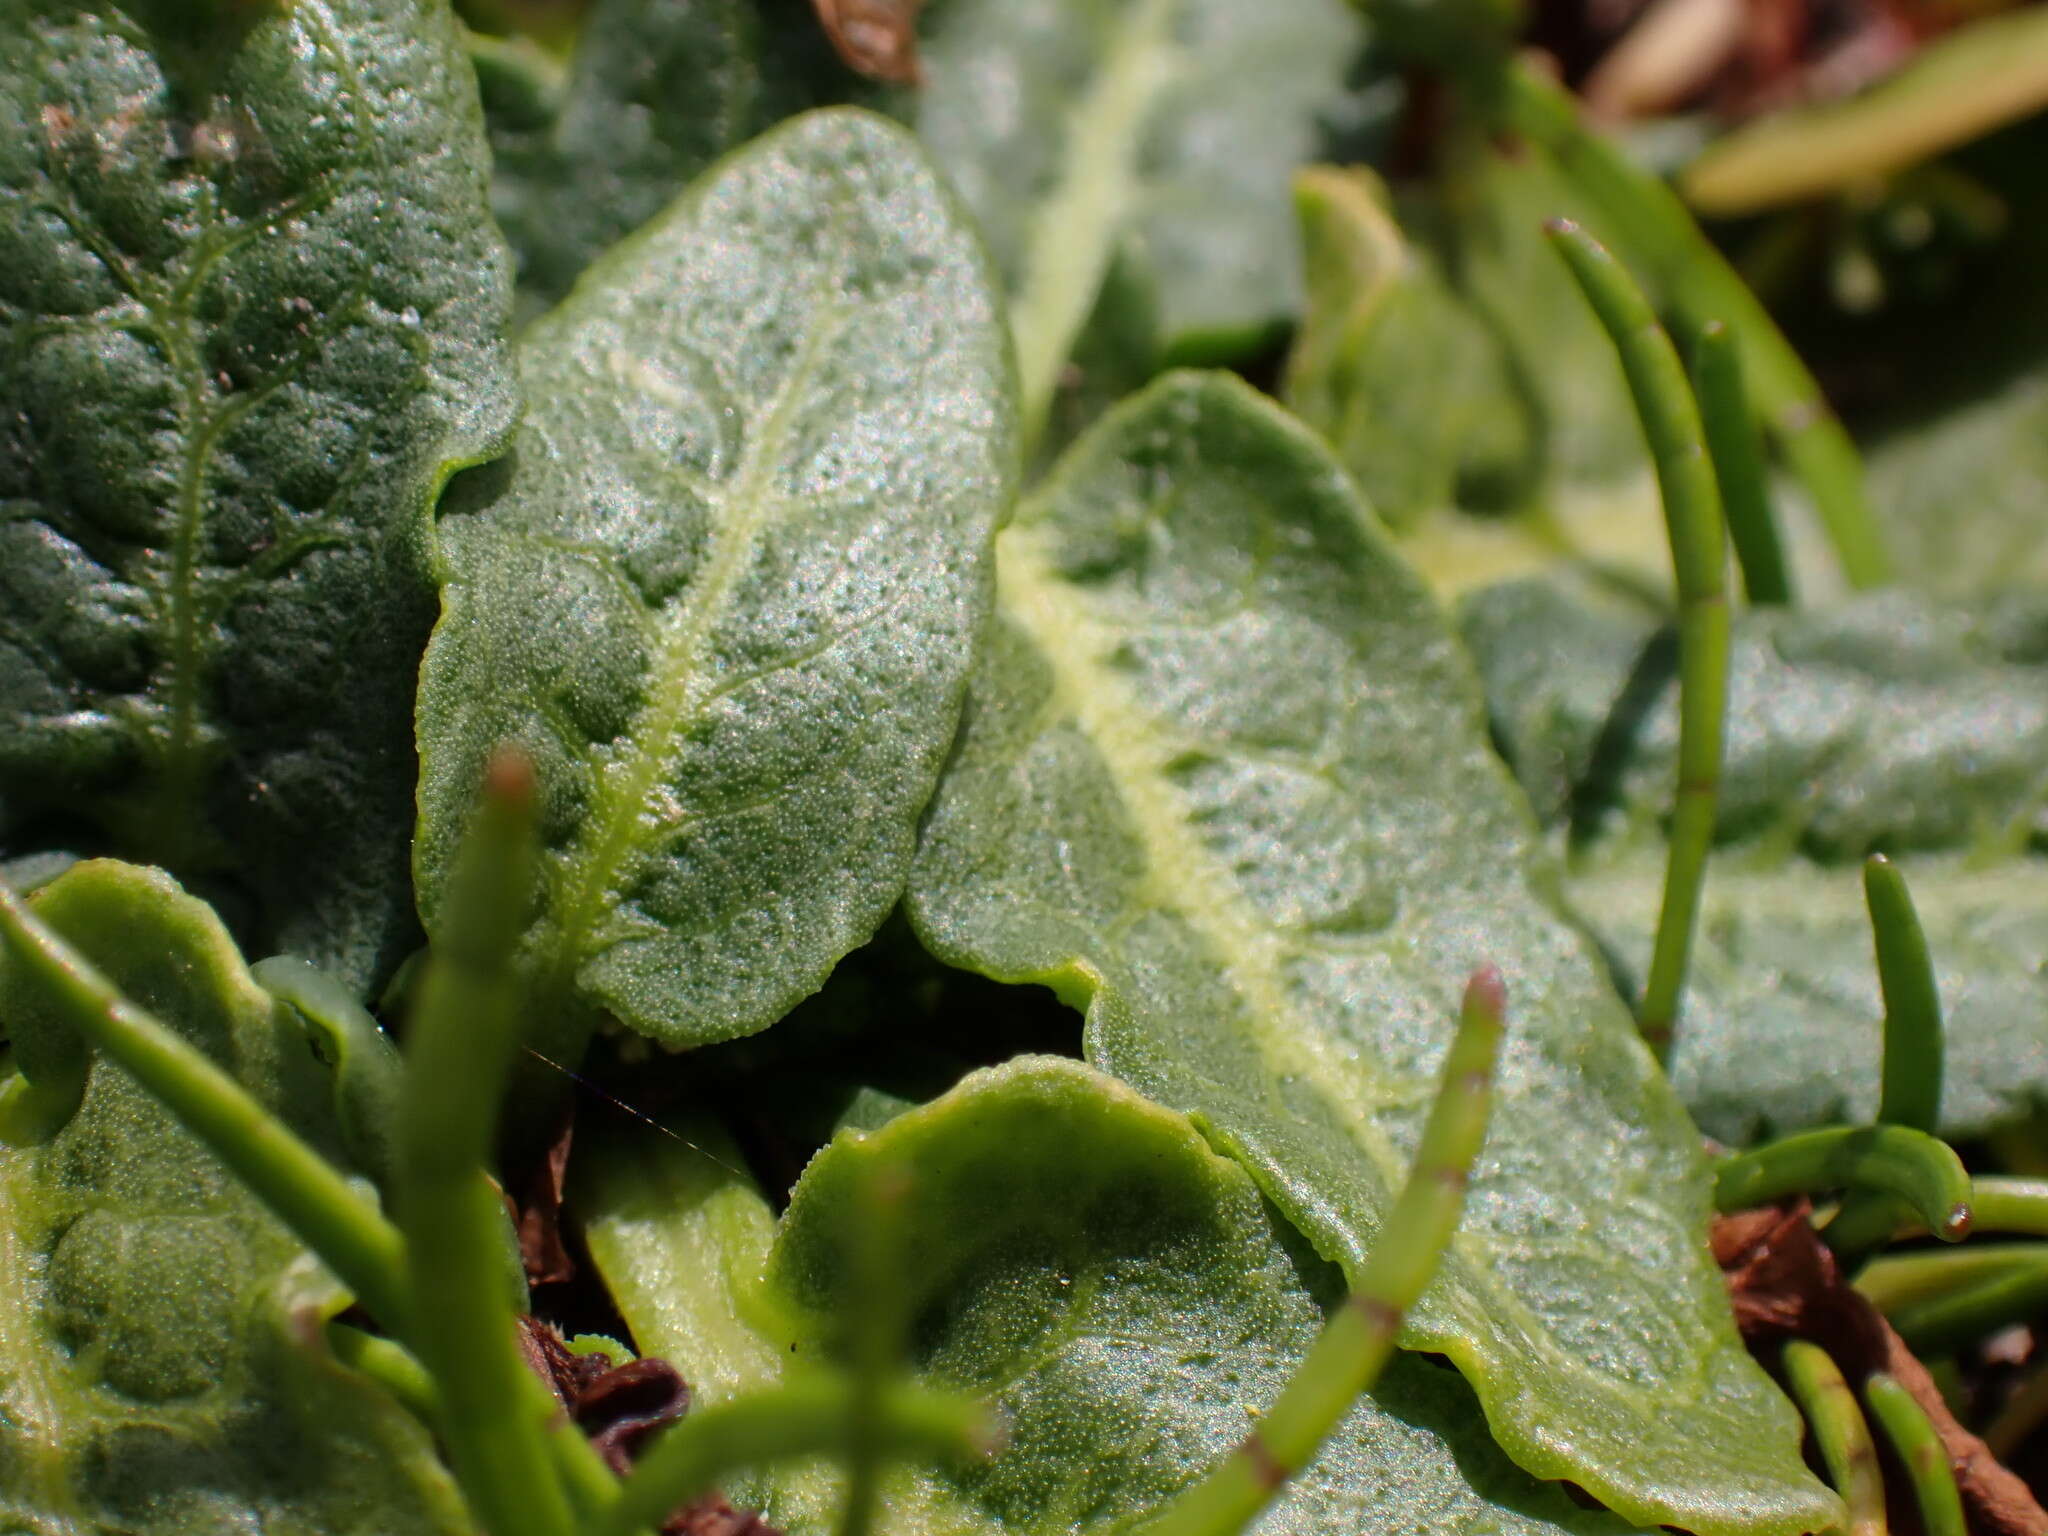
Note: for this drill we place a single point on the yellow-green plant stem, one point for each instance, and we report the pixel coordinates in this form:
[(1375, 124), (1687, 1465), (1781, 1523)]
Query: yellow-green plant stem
[(1840, 1431), (1355, 1345), (1658, 235), (1699, 561), (875, 1326), (1912, 1434), (2019, 1418), (2012, 1287), (300, 1187), (459, 1052), (1998, 1203), (808, 1417), (1738, 465), (1898, 1282), (1913, 1045), (1887, 1159)]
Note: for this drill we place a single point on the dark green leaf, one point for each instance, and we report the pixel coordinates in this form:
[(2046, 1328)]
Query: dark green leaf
[(160, 1340), (1887, 724), (1224, 780), (724, 592), (656, 90), (1085, 1261), (250, 309)]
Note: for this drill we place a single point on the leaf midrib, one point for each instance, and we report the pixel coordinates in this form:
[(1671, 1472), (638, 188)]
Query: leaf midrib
[(679, 688), (1074, 230)]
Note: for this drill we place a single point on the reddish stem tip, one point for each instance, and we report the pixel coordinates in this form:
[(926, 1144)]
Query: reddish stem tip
[(1487, 992), (509, 778)]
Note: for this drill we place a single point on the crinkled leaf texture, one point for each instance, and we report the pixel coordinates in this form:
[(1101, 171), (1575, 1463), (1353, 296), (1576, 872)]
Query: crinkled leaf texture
[(1083, 1260), (724, 592), (251, 310), (160, 1364), (1887, 724), (1072, 127), (656, 90), (1224, 780)]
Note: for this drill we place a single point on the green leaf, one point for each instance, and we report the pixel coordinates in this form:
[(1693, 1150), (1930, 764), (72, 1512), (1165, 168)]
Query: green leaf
[(1887, 724), (1072, 127), (160, 1340), (656, 90), (724, 592), (250, 310), (1085, 1261), (1224, 780), (1395, 369)]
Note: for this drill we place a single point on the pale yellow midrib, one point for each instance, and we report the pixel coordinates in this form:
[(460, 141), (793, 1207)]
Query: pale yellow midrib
[(1074, 231), (681, 688), (30, 1411), (1182, 875), (1120, 726)]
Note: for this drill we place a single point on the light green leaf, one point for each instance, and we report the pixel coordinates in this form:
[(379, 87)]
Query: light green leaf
[(1073, 126), (1224, 780), (725, 590), (656, 90), (160, 1368), (251, 306), (1885, 724), (1082, 1258)]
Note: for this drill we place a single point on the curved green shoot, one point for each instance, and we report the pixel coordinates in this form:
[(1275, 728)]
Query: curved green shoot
[(1739, 465), (1699, 561), (1892, 1160), (300, 1187), (1913, 1043), (458, 1054), (1998, 1203), (814, 1416), (1840, 1431), (1653, 227), (1913, 1436), (391, 1365), (1357, 1342)]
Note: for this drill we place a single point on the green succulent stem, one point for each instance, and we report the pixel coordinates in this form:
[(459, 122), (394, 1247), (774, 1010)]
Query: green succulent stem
[(300, 1187), (1699, 560), (1899, 1282), (2011, 1287), (1913, 1437), (1654, 228), (1738, 465), (391, 1365), (1998, 1203), (876, 1323), (1913, 1044), (1355, 1345), (1893, 1160), (810, 1417), (459, 1052), (1840, 1430)]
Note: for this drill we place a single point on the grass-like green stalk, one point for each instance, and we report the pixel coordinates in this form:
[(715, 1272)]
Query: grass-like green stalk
[(1840, 1431), (1913, 1044), (300, 1187), (1912, 1005), (1699, 560), (391, 1365), (2020, 1417), (1912, 1434), (2015, 1291), (1739, 465), (1891, 1160), (875, 1324), (459, 1051), (1353, 1348), (810, 1417), (1652, 226), (1998, 1203)]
